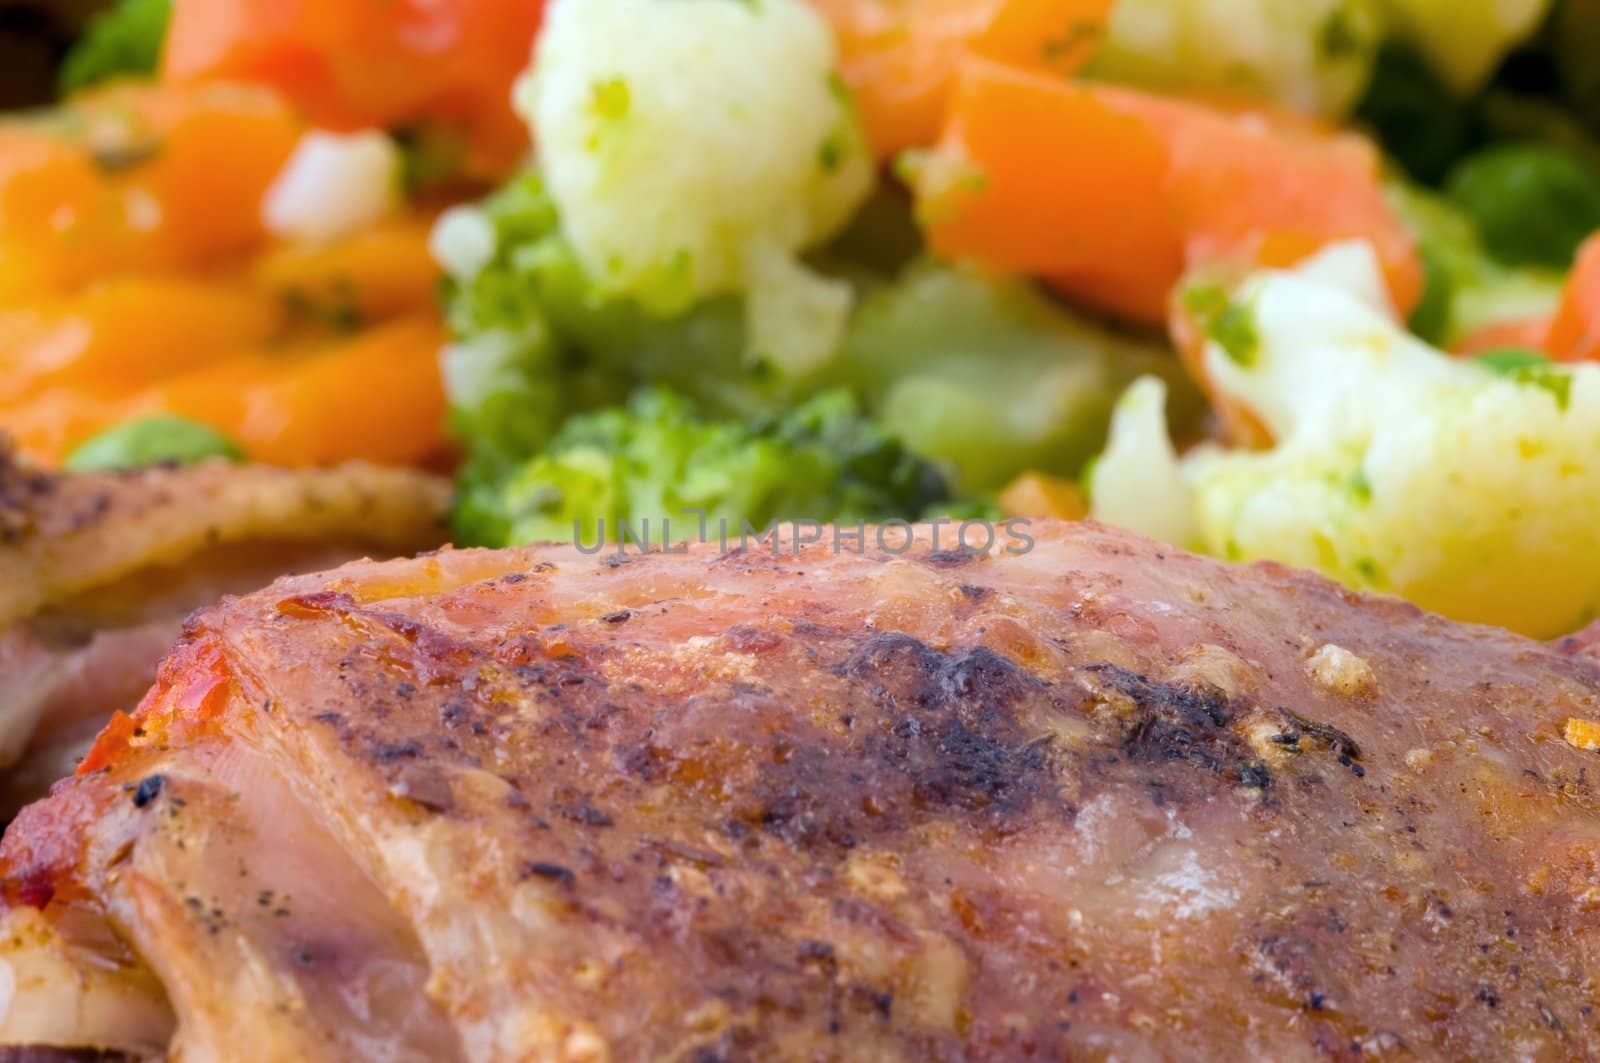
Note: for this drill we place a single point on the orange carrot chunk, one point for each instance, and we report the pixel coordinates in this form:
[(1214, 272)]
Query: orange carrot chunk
[(1112, 194), (371, 276), (1574, 334), (121, 334), (375, 396), (900, 57), (1532, 333), (1260, 188), (49, 425), (353, 64), (1036, 175), (137, 178)]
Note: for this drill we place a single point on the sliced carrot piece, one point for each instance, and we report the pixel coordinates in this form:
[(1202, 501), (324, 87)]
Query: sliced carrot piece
[(1575, 331), (1038, 494), (363, 63), (1267, 189), (119, 335), (1036, 175), (57, 220), (1111, 193), (50, 425), (1533, 333), (371, 276), (216, 164), (900, 57), (137, 178), (375, 396)]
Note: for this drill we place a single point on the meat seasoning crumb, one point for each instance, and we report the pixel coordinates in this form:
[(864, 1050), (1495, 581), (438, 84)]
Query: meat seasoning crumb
[(1337, 670), (1582, 734)]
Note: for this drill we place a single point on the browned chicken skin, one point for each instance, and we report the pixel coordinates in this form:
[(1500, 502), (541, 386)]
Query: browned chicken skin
[(1101, 800), (97, 572)]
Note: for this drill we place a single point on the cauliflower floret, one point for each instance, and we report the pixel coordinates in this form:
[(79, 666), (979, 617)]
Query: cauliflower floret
[(1469, 487), (334, 184), (1311, 55), (696, 148), (1137, 482), (1464, 40)]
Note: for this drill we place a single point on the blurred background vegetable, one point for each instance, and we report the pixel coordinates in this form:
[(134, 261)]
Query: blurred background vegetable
[(1470, 295), (1533, 204), (123, 41), (990, 378), (173, 242), (151, 441), (1311, 56), (356, 64), (1464, 40)]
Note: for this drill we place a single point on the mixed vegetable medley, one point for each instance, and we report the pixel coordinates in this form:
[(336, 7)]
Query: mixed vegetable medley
[(1308, 280)]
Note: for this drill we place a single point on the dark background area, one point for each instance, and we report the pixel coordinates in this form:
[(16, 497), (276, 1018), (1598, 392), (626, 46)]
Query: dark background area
[(33, 36)]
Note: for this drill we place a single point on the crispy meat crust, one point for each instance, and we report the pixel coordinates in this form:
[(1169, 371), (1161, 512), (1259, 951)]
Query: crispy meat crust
[(98, 571), (1103, 799), (62, 535)]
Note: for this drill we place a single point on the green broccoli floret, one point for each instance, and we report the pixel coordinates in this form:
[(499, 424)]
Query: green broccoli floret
[(985, 378), (126, 40), (535, 342), (656, 460), (516, 288)]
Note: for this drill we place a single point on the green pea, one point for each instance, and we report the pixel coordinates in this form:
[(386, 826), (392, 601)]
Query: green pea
[(1533, 203), (152, 441)]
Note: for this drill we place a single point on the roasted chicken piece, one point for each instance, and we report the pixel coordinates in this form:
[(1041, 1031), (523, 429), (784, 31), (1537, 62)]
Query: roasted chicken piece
[(97, 573), (1097, 800)]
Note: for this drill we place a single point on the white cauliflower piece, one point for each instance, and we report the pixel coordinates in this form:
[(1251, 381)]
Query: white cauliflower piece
[(1137, 481), (1313, 56), (697, 147), (334, 184), (1464, 40), (463, 242), (1472, 489)]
